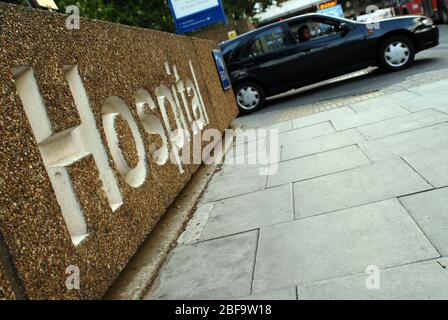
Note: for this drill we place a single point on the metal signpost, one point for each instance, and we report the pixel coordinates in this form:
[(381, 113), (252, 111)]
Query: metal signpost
[(195, 14)]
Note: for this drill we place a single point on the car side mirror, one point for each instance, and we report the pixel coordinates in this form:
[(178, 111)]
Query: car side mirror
[(344, 28)]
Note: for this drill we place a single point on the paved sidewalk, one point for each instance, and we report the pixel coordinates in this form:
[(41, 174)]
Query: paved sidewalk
[(358, 209), (272, 114)]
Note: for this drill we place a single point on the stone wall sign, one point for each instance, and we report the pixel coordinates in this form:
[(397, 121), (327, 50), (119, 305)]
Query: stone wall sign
[(93, 122)]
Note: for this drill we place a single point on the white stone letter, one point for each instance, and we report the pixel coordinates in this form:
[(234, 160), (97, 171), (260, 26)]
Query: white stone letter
[(62, 149), (113, 107)]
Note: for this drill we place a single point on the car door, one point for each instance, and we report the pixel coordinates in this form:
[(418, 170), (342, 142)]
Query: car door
[(267, 56), (335, 47)]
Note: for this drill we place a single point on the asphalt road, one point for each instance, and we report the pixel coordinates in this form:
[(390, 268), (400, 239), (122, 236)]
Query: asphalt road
[(368, 80)]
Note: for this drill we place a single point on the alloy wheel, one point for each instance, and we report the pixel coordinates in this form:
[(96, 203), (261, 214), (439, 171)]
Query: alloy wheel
[(248, 97), (397, 54)]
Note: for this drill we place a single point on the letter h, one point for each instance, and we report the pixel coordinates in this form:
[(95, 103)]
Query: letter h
[(65, 148)]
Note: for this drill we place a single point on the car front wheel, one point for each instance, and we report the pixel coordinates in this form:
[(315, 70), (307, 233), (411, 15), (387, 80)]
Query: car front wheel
[(250, 97), (396, 53)]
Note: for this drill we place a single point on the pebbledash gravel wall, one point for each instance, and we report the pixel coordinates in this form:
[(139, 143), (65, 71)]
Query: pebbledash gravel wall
[(88, 165)]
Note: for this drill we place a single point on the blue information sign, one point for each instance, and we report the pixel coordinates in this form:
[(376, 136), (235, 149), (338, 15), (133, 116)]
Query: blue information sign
[(222, 70), (194, 14)]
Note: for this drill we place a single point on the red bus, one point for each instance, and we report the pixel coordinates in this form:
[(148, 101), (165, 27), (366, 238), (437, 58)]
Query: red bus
[(435, 9)]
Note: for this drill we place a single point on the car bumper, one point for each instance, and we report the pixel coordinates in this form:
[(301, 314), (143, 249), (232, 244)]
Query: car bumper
[(427, 38)]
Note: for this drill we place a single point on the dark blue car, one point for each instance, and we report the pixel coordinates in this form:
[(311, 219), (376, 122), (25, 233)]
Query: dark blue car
[(311, 48)]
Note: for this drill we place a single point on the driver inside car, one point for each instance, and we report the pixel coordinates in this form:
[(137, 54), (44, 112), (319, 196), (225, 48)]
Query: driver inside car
[(304, 33)]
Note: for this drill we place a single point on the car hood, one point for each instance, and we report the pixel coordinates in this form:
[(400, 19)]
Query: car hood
[(403, 22), (397, 19)]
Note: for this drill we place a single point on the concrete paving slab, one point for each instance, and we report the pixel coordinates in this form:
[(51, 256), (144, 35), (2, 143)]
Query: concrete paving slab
[(401, 96), (443, 109), (220, 268), (426, 280), (421, 103), (321, 144), (282, 126), (231, 169), (227, 186), (244, 136), (237, 162), (430, 88), (241, 168), (356, 187), (283, 294), (246, 157), (239, 149), (196, 225), (321, 117), (371, 104), (375, 114), (292, 137), (338, 244), (249, 212), (318, 165), (429, 210), (404, 123), (428, 138), (432, 165)]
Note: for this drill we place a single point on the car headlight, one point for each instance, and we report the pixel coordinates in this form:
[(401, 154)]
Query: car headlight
[(428, 22)]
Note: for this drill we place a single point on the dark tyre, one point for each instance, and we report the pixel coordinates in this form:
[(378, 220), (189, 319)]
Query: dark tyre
[(443, 12), (396, 53), (250, 97)]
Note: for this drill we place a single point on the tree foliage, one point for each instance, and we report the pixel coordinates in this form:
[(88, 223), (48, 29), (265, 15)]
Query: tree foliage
[(21, 2), (240, 9), (153, 14)]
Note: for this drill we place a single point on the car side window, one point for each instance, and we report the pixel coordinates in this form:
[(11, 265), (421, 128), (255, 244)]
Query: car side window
[(267, 41), (228, 50), (313, 29), (322, 29)]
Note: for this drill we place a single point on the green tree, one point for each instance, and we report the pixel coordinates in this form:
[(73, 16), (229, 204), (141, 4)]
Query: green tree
[(241, 9), (154, 14), (20, 2)]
